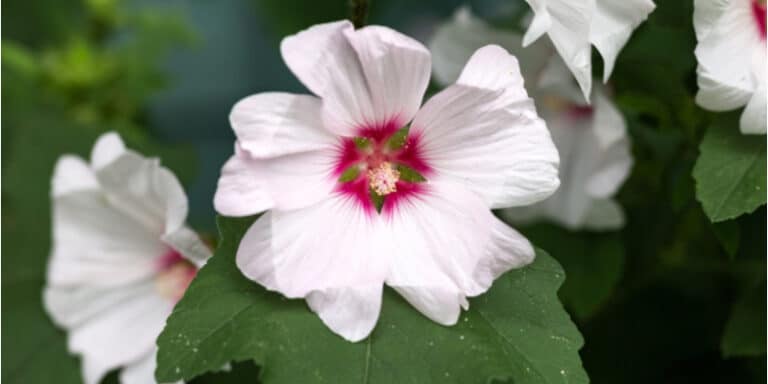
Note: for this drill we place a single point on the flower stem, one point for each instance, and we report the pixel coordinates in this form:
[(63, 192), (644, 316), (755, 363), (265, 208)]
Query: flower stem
[(358, 12)]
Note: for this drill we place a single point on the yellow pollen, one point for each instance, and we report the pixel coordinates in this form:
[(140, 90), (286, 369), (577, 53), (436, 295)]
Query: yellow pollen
[(383, 179)]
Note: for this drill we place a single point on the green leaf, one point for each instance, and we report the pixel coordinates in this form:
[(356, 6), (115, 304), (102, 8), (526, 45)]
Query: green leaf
[(730, 172), (594, 263), (350, 174), (398, 139), (409, 174), (516, 331), (729, 235), (745, 333)]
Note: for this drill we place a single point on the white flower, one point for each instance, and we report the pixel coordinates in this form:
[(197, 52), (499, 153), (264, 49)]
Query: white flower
[(592, 140), (322, 165), (121, 257), (731, 53), (575, 25)]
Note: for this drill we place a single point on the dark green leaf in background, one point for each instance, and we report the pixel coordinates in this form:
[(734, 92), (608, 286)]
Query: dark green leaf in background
[(745, 333), (731, 171), (593, 263), (518, 330)]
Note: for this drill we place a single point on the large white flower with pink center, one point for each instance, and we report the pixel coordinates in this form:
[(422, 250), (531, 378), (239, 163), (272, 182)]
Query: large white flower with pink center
[(364, 188), (731, 53), (121, 258), (574, 26), (592, 139)]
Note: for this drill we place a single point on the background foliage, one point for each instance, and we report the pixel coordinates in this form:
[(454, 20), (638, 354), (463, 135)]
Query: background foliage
[(678, 295)]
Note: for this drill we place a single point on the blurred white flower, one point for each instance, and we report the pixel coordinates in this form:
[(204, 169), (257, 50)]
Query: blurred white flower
[(326, 165), (574, 26), (592, 140), (731, 53), (121, 257)]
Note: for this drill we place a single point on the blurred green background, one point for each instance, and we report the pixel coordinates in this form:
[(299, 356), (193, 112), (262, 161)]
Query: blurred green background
[(671, 298)]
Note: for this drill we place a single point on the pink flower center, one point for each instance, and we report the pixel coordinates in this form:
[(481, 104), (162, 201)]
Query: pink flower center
[(174, 275), (759, 13), (380, 167)]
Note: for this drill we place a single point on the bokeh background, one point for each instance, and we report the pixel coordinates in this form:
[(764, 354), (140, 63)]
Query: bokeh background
[(671, 298)]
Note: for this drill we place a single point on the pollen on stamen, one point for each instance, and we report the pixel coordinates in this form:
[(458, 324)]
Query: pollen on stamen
[(383, 179)]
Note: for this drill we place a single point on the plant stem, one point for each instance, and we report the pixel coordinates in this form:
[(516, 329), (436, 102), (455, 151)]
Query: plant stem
[(358, 12)]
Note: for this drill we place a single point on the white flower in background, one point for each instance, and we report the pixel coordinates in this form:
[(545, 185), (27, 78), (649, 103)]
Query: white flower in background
[(592, 140), (120, 260), (574, 26), (731, 53), (355, 201)]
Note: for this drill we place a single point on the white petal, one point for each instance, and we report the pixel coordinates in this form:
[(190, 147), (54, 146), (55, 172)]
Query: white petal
[(322, 58), (396, 69), (489, 140), (330, 252), (351, 312), (188, 243), (753, 119), (614, 159), (727, 40), (493, 68), (92, 241), (124, 334), (612, 25), (595, 162), (74, 304), (108, 147), (448, 246), (248, 186), (365, 78), (150, 195), (72, 174), (275, 124), (567, 22), (141, 371), (604, 215), (455, 41)]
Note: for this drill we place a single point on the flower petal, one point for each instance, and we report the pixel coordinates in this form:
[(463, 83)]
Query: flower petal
[(612, 25), (122, 335), (614, 161), (604, 215), (366, 78), (753, 119), (72, 174), (147, 193), (567, 22), (330, 252), (396, 69), (596, 156), (483, 133), (93, 241), (107, 149), (351, 312), (726, 43), (449, 246), (248, 186), (455, 41), (322, 58), (275, 124)]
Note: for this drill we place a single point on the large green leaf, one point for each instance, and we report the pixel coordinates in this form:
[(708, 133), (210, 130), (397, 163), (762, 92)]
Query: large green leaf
[(730, 172), (518, 330)]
